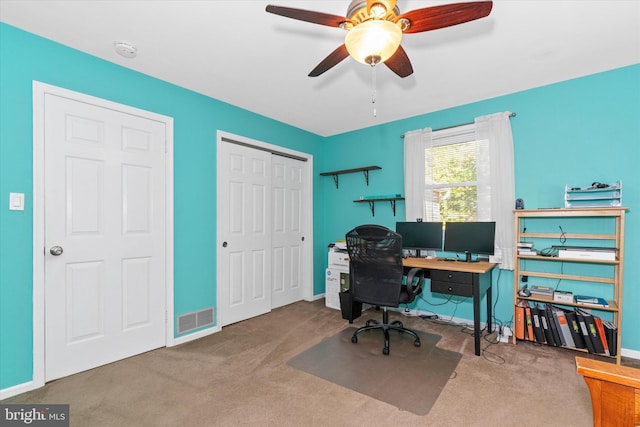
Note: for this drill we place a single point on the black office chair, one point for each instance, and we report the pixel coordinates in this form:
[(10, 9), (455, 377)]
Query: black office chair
[(376, 276)]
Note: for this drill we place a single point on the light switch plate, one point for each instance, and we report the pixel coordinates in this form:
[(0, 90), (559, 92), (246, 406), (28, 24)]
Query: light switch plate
[(16, 201)]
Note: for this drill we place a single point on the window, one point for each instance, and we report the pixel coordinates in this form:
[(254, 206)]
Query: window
[(455, 180), (464, 173)]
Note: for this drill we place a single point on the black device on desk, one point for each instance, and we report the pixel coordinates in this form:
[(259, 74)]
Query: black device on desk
[(470, 238), (421, 236)]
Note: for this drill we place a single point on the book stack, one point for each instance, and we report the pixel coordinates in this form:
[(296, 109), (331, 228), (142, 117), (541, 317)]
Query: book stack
[(589, 300), (559, 327), (526, 248)]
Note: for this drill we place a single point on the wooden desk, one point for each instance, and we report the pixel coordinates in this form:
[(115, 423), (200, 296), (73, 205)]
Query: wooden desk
[(615, 392), (467, 279)]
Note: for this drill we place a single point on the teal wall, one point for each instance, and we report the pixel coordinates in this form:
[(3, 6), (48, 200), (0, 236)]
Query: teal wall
[(575, 132), (24, 58)]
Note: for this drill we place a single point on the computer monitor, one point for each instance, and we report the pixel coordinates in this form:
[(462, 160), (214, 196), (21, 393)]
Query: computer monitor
[(470, 238), (420, 236)]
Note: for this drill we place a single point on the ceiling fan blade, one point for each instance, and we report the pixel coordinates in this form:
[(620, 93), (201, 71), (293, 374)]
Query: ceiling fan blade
[(308, 15), (330, 61), (399, 63), (434, 17)]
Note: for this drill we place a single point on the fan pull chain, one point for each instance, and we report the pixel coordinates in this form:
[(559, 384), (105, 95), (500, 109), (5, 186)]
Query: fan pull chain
[(373, 89)]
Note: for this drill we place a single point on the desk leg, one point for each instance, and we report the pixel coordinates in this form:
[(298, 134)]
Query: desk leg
[(476, 316), (489, 304), (477, 296)]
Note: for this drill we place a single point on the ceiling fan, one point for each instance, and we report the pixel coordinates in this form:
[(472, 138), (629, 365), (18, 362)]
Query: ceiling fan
[(375, 27)]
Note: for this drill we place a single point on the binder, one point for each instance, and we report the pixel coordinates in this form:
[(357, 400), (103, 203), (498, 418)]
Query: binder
[(585, 332), (574, 328), (538, 330), (601, 334), (528, 322), (611, 331), (551, 320), (592, 330), (563, 327), (545, 327), (552, 310), (520, 320)]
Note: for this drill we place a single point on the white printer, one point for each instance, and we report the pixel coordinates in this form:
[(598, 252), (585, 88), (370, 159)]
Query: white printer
[(337, 274), (338, 255)]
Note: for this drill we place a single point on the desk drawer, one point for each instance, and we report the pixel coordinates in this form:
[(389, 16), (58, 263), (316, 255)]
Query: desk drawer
[(452, 288), (452, 276)]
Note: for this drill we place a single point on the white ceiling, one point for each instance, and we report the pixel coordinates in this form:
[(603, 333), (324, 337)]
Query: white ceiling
[(236, 52)]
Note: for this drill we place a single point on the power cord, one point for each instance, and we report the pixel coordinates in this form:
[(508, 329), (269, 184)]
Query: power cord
[(492, 338), (563, 237), (434, 304), (488, 355), (468, 329)]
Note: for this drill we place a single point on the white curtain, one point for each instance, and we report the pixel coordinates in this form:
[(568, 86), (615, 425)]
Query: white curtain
[(497, 129), (415, 144)]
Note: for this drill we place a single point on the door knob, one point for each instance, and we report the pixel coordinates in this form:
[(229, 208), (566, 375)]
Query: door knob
[(56, 250)]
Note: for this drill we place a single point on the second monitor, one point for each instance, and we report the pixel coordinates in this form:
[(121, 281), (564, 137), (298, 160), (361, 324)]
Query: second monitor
[(470, 238)]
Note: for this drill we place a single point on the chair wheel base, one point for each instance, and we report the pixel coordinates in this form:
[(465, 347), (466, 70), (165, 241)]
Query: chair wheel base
[(386, 326)]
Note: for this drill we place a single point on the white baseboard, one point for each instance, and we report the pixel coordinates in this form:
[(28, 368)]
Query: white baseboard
[(316, 297), (15, 390), (194, 336), (632, 354)]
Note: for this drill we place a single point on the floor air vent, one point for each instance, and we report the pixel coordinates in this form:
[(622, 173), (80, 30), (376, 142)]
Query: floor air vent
[(194, 320)]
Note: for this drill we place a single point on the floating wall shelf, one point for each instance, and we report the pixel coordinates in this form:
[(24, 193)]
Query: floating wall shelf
[(364, 170), (372, 203)]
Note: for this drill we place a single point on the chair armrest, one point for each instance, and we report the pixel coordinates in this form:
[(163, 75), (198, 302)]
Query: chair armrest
[(415, 274), (609, 372), (615, 392)]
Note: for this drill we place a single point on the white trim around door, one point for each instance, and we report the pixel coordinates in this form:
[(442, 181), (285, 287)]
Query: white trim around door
[(40, 90), (306, 260)]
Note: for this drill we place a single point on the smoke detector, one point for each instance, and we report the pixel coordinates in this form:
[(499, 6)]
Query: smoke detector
[(125, 49)]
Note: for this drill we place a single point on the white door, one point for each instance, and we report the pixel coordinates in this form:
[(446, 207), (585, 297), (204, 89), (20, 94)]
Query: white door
[(245, 232), (105, 209), (288, 238)]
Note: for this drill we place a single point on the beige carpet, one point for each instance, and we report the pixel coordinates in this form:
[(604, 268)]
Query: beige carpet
[(240, 377), (362, 367)]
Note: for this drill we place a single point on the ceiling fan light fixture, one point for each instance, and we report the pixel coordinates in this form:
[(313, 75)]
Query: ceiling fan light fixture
[(377, 39)]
